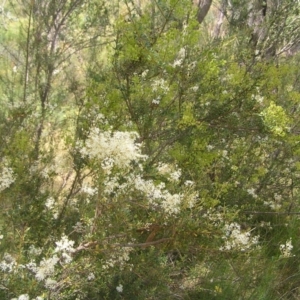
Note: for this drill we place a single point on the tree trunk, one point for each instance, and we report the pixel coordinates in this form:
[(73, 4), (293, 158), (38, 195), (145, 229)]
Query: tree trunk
[(203, 8)]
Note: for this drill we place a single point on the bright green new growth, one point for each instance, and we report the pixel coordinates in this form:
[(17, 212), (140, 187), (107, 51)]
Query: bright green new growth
[(276, 119)]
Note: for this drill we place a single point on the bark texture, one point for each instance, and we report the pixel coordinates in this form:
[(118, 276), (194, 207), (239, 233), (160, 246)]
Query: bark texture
[(203, 9)]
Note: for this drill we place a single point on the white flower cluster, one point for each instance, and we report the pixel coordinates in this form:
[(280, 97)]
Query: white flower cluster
[(274, 204), (50, 202), (50, 284), (214, 215), (235, 239), (112, 148), (252, 192), (52, 206), (33, 251), (91, 276), (180, 58), (22, 297), (65, 247), (195, 88), (167, 169), (158, 195), (6, 177), (175, 176), (119, 149), (48, 170), (156, 101), (160, 85), (144, 74), (45, 269), (257, 98), (8, 263), (118, 258), (79, 227), (89, 191), (119, 288), (26, 295), (171, 203), (286, 249)]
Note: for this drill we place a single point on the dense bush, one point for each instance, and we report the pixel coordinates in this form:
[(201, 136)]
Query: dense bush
[(144, 157)]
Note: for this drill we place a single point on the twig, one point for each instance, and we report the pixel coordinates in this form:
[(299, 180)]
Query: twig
[(270, 213), (144, 244)]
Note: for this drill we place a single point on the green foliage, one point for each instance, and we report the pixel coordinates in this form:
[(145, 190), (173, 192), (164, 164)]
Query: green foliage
[(275, 119)]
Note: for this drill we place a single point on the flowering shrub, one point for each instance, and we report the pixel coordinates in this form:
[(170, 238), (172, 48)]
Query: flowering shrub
[(170, 172), (7, 176), (112, 148)]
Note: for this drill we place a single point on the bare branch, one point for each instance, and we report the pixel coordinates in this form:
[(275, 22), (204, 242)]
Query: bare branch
[(270, 213), (144, 245)]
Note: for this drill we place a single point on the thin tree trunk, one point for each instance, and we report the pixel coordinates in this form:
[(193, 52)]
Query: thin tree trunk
[(221, 15), (203, 9)]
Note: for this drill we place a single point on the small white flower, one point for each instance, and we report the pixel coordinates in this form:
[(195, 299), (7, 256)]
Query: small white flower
[(119, 288), (277, 197), (235, 239), (177, 63), (160, 84), (175, 175), (195, 88), (24, 297), (189, 183), (50, 203), (89, 190), (259, 98), (225, 153), (182, 53), (251, 192), (34, 251), (156, 101), (286, 249), (273, 204), (50, 283), (66, 257), (91, 276), (180, 57), (79, 227), (144, 74), (8, 263), (107, 164), (56, 71), (46, 268), (31, 266), (64, 245)]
